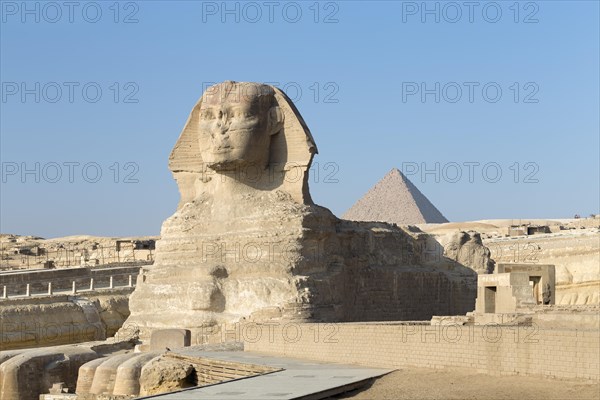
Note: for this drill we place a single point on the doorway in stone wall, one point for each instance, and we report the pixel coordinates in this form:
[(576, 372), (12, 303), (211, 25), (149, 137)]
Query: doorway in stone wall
[(534, 282), (490, 299)]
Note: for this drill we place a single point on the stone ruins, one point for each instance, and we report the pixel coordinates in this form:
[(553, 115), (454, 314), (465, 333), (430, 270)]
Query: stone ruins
[(247, 248)]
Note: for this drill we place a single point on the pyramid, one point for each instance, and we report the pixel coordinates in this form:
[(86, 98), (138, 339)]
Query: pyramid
[(395, 199)]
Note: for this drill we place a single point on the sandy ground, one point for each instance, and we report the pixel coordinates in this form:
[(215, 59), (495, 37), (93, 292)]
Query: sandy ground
[(498, 227), (421, 383)]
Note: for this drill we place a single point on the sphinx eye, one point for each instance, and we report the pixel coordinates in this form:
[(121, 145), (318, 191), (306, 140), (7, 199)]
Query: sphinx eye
[(206, 114)]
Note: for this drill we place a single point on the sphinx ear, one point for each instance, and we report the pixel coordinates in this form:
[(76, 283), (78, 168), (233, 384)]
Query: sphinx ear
[(276, 118)]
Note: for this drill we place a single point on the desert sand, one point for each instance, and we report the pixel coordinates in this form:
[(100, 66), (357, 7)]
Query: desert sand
[(422, 384)]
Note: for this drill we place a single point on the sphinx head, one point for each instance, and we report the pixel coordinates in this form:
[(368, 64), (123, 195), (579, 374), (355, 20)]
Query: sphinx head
[(236, 122)]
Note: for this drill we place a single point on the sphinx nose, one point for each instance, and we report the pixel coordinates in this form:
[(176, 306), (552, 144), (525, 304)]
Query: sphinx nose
[(223, 123), (222, 128)]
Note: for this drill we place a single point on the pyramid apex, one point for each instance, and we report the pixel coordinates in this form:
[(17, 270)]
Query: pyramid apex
[(395, 171)]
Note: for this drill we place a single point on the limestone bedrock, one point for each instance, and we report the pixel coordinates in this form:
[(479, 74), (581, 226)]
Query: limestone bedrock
[(247, 242)]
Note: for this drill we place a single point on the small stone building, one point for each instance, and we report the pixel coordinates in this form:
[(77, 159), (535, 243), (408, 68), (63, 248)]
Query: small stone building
[(515, 286), (525, 230)]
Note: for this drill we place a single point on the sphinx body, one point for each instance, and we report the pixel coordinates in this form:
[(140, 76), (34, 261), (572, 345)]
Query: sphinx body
[(247, 242)]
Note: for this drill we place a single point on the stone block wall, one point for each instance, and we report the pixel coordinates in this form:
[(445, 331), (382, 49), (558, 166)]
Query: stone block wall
[(396, 294), (490, 349), (56, 320)]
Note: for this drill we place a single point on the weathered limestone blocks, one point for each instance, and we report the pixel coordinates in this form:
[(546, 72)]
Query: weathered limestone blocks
[(24, 374), (28, 374), (121, 374), (504, 293), (579, 294), (127, 379), (247, 240), (167, 339), (104, 376), (576, 254), (162, 375), (39, 322), (58, 320), (86, 373), (467, 249), (113, 310), (8, 354)]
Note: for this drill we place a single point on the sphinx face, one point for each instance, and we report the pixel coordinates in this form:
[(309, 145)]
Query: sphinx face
[(234, 126)]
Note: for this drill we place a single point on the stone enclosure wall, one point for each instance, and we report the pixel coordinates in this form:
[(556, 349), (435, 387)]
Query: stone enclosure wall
[(62, 279), (61, 319), (576, 255), (490, 349), (393, 294)]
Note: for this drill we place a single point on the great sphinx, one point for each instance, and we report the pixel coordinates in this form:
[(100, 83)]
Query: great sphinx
[(247, 241)]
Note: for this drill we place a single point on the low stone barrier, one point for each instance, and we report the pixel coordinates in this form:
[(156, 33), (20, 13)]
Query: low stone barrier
[(65, 281), (490, 349), (38, 321)]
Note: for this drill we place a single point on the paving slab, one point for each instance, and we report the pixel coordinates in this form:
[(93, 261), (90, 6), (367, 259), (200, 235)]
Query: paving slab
[(299, 379)]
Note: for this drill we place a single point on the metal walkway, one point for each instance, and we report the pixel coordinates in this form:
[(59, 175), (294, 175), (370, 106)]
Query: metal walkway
[(300, 379)]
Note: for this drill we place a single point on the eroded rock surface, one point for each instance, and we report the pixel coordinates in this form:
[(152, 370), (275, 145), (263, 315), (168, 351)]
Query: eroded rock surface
[(61, 319), (467, 249), (25, 374), (163, 375)]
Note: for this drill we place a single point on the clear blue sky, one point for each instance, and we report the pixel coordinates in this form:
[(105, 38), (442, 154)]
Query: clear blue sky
[(370, 61)]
